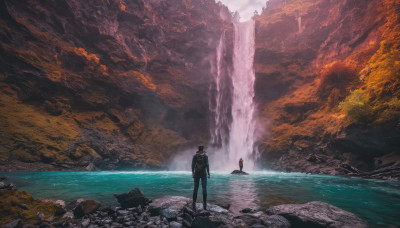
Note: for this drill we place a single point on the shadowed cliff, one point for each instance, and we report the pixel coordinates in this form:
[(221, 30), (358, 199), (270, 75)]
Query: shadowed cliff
[(114, 84)]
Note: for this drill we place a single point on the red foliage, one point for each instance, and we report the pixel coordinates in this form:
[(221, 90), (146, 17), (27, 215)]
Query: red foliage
[(335, 81)]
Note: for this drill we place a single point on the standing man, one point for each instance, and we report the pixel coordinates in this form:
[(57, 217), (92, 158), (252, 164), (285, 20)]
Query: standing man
[(241, 164), (200, 169)]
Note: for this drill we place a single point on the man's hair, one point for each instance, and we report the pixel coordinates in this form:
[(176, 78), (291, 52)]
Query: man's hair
[(201, 148)]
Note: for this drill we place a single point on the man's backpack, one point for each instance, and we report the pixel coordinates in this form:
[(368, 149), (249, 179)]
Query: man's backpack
[(199, 162)]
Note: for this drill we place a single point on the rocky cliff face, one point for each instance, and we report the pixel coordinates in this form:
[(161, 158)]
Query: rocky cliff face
[(327, 77), (114, 84)]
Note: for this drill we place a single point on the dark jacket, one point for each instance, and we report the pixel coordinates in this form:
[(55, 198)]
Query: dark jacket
[(207, 167)]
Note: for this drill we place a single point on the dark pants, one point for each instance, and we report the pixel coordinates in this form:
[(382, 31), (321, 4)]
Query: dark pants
[(203, 186), (241, 167)]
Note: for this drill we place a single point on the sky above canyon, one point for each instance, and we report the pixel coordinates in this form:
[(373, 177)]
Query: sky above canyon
[(245, 8)]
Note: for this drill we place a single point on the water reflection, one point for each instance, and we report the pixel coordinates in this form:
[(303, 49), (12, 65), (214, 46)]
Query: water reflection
[(243, 193)]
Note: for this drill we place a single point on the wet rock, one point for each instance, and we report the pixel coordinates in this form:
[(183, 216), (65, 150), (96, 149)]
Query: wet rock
[(46, 225), (60, 224), (276, 221), (317, 214), (203, 222), (169, 213), (5, 186), (85, 207), (174, 224), (91, 167), (246, 210), (85, 223), (173, 203), (3, 178), (123, 212), (258, 226), (211, 207), (133, 198), (187, 217), (61, 203), (249, 220), (69, 215), (14, 224), (238, 172), (225, 205)]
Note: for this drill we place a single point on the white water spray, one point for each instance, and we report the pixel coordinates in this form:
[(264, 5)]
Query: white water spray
[(238, 119)]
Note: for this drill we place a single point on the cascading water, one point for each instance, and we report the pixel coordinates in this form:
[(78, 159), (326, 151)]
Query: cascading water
[(242, 130), (233, 129)]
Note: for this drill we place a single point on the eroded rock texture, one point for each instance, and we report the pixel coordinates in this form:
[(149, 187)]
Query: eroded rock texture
[(104, 84), (326, 81)]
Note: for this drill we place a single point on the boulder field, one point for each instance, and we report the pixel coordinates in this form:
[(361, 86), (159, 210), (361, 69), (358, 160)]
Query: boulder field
[(169, 211)]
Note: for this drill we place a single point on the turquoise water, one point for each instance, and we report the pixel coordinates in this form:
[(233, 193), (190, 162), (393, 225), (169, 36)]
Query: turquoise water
[(376, 201)]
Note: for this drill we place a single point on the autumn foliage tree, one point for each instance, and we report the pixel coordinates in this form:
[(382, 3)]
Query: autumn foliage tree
[(334, 82)]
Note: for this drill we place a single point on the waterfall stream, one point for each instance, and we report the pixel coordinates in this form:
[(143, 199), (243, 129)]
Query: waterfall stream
[(231, 102)]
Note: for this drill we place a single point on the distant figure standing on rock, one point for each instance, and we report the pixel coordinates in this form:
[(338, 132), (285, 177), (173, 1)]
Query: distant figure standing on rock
[(241, 164), (200, 169)]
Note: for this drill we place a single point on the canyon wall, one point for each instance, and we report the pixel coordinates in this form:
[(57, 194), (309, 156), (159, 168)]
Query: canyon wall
[(105, 84), (327, 77), (112, 84)]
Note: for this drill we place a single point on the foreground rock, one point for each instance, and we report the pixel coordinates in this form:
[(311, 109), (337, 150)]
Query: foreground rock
[(133, 198), (85, 207), (317, 214), (168, 206), (176, 212), (238, 172)]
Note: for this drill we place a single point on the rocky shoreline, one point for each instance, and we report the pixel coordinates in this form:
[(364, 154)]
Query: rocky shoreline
[(136, 210)]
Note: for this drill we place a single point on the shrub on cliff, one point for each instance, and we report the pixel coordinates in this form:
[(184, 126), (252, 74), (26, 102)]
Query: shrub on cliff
[(334, 81), (356, 107)]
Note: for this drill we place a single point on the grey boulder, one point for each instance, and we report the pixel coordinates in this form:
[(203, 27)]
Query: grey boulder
[(168, 206), (317, 214)]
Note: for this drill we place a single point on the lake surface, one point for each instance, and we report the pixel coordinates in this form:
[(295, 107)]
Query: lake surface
[(376, 201)]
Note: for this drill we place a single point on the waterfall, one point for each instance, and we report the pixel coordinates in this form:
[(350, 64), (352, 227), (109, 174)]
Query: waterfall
[(231, 102), (299, 23)]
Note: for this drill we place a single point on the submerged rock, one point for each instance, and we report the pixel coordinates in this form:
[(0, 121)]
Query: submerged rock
[(238, 172), (317, 214), (133, 198)]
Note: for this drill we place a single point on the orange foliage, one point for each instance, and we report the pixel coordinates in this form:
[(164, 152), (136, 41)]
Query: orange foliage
[(334, 80), (90, 57), (122, 6)]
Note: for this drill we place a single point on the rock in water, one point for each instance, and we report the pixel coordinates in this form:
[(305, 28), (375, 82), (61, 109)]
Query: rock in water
[(317, 214), (85, 207), (133, 198), (238, 172)]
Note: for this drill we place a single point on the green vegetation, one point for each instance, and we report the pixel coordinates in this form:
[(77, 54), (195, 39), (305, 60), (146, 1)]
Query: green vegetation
[(356, 107)]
